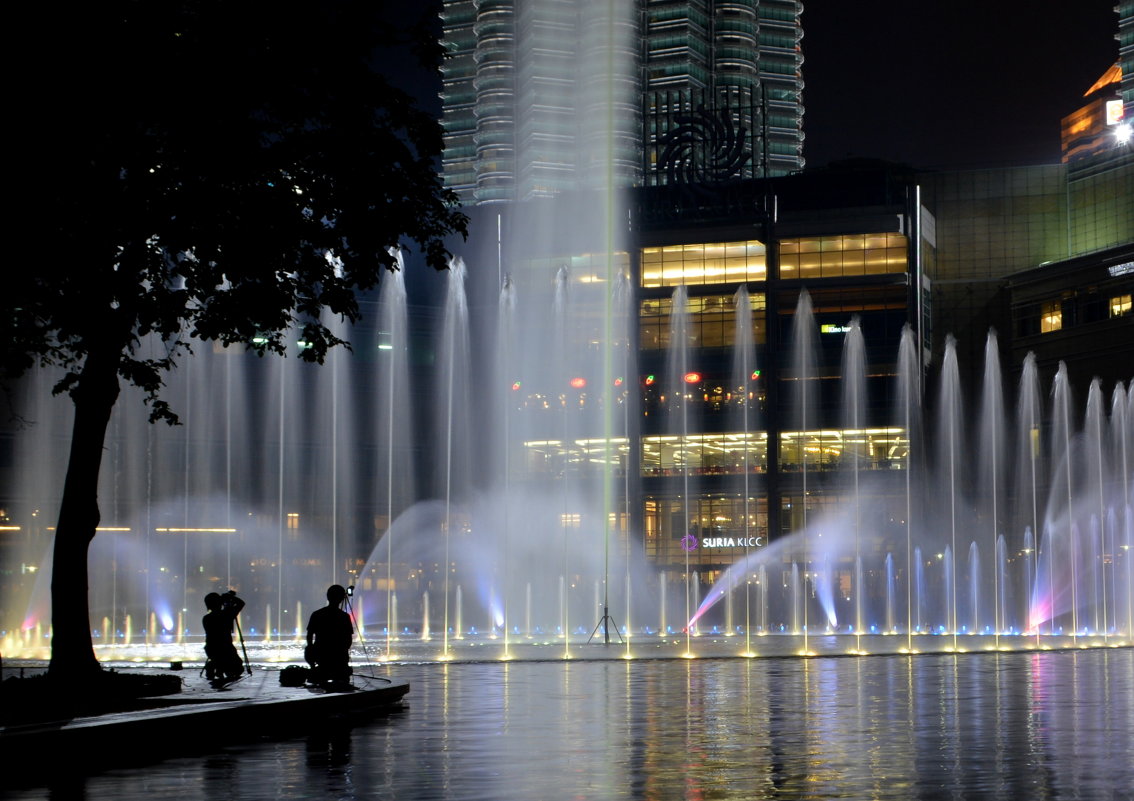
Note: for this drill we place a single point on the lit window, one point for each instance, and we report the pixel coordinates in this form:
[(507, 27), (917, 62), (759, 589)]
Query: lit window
[(703, 263), (1051, 318), (847, 254), (1120, 306)]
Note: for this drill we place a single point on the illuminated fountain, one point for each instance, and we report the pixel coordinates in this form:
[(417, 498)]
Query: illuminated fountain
[(514, 423), (528, 559), (257, 490), (971, 563)]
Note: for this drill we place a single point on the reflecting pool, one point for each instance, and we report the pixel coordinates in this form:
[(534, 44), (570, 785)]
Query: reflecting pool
[(1033, 725)]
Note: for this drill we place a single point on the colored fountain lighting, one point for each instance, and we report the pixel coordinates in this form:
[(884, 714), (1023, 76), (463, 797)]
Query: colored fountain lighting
[(578, 382)]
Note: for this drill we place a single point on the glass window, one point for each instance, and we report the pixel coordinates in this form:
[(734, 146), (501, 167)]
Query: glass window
[(704, 263), (1120, 306), (1051, 316), (725, 527), (705, 454), (868, 449), (711, 324), (847, 254)]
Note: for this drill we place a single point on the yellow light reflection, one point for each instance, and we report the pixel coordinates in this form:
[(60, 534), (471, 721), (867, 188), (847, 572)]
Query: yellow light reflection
[(184, 530)]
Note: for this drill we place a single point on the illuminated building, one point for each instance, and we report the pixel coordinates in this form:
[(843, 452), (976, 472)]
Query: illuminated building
[(858, 240), (523, 88), (1125, 9), (1093, 128), (1076, 311)]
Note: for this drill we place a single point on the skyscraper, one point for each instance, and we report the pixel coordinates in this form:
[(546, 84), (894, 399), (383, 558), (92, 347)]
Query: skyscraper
[(1125, 38), (544, 96)]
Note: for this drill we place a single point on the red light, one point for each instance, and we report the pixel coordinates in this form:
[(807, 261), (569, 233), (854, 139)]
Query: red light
[(692, 378), (578, 383), (755, 374), (650, 380), (515, 386), (618, 382)]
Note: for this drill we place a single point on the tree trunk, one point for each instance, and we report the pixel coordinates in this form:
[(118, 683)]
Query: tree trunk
[(72, 651)]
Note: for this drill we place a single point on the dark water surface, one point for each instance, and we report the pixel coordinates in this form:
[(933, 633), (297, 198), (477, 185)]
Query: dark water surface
[(1007, 726)]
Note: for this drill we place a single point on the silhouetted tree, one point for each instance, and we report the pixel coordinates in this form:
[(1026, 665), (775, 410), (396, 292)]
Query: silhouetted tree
[(201, 170)]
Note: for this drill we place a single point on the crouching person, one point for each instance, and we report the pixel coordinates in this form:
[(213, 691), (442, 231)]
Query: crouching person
[(222, 663), (329, 634)]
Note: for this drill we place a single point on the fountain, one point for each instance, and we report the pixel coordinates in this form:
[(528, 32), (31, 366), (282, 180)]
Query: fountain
[(475, 480), (519, 525), (1068, 582)]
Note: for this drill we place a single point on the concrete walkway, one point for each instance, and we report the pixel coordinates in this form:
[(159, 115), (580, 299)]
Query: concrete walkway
[(198, 719)]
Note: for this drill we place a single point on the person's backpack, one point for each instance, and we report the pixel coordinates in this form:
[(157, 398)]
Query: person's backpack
[(293, 676)]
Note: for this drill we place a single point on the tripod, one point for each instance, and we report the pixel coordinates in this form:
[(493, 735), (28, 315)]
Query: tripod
[(240, 634), (361, 639), (605, 622)]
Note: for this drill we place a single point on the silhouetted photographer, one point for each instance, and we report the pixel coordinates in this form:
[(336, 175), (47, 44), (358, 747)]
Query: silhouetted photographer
[(222, 662), (329, 635)]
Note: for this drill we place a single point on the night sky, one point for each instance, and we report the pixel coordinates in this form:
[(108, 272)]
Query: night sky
[(938, 83), (949, 83)]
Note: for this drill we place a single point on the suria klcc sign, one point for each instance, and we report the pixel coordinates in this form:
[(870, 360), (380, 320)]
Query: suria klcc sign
[(690, 542), (732, 542)]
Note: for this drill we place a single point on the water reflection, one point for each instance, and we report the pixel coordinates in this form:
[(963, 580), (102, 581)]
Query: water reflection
[(1036, 725)]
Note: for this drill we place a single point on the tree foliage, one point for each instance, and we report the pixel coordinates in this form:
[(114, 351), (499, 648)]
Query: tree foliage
[(217, 170), (204, 170)]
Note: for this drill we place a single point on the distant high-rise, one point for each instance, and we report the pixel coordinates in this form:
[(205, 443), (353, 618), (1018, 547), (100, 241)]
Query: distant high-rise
[(1125, 37), (537, 101), (1092, 129)]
